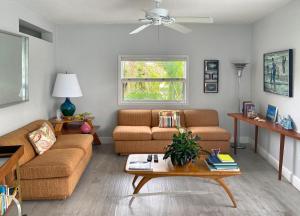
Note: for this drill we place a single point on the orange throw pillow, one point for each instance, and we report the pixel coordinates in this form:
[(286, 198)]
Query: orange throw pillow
[(42, 139)]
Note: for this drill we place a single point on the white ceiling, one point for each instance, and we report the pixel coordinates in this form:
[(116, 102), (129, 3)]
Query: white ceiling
[(127, 11)]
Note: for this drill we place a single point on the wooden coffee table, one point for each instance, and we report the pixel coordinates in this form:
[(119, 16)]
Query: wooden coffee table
[(164, 168)]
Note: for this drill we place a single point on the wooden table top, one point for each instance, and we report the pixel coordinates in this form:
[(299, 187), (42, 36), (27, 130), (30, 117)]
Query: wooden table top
[(166, 168), (71, 120), (267, 124)]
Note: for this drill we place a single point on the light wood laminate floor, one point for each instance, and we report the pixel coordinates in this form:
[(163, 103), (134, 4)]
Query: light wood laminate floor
[(104, 187)]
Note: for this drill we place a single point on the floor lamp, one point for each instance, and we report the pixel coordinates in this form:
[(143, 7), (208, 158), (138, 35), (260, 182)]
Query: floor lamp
[(239, 67)]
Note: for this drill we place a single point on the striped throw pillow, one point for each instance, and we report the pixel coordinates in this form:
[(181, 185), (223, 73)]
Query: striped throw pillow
[(169, 119)]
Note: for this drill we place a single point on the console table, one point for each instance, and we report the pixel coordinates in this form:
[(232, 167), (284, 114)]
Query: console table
[(269, 126)]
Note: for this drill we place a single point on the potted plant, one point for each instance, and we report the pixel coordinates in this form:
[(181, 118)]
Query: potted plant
[(184, 148)]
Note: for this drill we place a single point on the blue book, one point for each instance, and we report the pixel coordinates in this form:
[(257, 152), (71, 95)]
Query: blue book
[(226, 167), (213, 168)]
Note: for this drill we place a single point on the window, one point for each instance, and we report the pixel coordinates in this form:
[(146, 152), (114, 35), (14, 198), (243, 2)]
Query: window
[(153, 79)]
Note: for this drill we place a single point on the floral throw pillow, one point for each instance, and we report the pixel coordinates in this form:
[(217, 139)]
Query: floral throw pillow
[(169, 119), (42, 139)]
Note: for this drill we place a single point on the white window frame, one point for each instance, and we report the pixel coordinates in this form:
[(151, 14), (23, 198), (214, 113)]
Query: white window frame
[(153, 58)]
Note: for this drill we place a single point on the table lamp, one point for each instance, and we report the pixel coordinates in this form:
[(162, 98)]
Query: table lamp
[(67, 85)]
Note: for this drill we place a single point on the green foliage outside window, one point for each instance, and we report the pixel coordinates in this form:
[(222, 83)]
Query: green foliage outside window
[(151, 85)]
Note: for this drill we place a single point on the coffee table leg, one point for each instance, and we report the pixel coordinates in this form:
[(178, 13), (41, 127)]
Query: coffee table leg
[(134, 180), (224, 186), (139, 187)]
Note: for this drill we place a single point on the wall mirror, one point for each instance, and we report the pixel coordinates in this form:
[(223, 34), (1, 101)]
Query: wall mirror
[(13, 69)]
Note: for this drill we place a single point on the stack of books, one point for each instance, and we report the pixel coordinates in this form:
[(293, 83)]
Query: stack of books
[(221, 162), (6, 195)]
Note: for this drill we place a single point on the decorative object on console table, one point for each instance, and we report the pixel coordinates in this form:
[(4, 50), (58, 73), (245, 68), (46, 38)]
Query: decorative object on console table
[(72, 126), (287, 123), (278, 72), (67, 85), (239, 67), (211, 76), (272, 113)]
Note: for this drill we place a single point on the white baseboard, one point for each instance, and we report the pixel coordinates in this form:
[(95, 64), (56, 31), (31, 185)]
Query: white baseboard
[(293, 179)]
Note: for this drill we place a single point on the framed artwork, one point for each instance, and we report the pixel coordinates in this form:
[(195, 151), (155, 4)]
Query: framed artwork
[(211, 76), (272, 112), (278, 72), (211, 87)]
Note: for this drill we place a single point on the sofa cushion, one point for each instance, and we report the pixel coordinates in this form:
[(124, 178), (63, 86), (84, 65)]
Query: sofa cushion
[(197, 118), (210, 133), (163, 133), (42, 139), (132, 133), (82, 141), (155, 117), (52, 164), (132, 117), (19, 137)]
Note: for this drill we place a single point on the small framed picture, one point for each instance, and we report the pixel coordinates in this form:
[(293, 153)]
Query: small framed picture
[(207, 77), (215, 76), (272, 113), (211, 87), (212, 65)]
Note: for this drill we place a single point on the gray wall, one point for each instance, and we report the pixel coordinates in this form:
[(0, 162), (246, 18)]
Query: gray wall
[(278, 31), (91, 51), (41, 70)]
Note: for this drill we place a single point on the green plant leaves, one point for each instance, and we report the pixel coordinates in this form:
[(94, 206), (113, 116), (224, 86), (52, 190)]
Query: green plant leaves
[(183, 149)]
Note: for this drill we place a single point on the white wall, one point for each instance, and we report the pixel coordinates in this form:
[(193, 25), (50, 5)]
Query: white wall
[(41, 69), (278, 31), (91, 51)]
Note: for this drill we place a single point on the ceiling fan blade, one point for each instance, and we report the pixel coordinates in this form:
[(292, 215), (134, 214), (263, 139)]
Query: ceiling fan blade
[(141, 28), (178, 27), (194, 19)]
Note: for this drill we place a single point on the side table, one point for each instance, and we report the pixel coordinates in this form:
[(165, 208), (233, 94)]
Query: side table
[(72, 126)]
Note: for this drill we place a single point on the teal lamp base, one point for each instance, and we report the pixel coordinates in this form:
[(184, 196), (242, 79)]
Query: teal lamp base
[(67, 108)]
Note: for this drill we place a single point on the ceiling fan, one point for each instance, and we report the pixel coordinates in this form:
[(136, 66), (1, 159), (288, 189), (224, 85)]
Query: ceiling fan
[(159, 16)]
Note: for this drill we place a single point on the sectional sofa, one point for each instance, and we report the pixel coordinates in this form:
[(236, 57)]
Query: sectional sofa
[(137, 131), (55, 173)]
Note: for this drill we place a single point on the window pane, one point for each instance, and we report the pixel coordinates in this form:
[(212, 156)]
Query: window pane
[(153, 91), (154, 69)]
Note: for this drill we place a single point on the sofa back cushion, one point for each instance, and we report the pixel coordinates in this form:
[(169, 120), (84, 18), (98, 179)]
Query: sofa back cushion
[(155, 117), (194, 118), (132, 117), (20, 137)]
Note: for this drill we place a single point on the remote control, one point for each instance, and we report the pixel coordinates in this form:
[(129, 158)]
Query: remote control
[(155, 158), (149, 158)]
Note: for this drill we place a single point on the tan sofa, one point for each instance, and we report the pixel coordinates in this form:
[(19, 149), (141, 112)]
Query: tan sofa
[(54, 174), (138, 131)]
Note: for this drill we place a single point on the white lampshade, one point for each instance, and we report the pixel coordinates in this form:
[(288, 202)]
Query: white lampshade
[(66, 85)]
